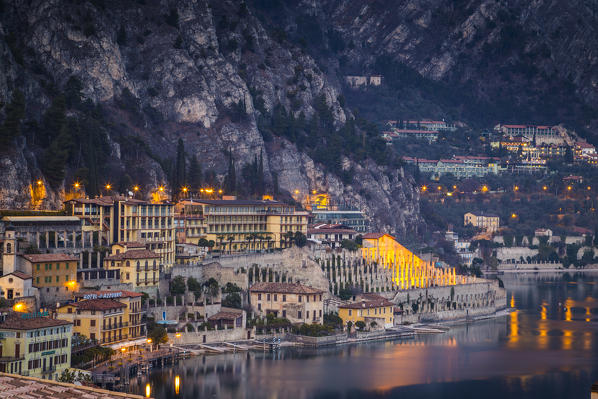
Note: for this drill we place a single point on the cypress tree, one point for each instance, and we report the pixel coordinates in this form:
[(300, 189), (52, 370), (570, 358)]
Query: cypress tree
[(194, 173)]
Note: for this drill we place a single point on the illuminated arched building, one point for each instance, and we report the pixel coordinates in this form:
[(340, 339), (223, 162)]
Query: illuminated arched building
[(407, 269)]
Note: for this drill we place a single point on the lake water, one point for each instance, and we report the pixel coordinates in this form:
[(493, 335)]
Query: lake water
[(546, 348)]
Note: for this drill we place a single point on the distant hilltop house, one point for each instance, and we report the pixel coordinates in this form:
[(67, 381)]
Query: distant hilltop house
[(542, 134), (483, 220), (459, 166), (357, 81), (423, 124)]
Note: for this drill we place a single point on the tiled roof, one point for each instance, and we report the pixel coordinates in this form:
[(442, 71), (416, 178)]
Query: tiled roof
[(226, 314), (123, 293), (285, 288), (16, 386), (35, 258), (15, 321), (21, 275), (485, 214), (98, 304), (133, 254), (375, 236), (239, 202), (131, 244), (367, 304)]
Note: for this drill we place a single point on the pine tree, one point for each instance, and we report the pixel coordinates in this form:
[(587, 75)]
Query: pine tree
[(179, 168), (261, 187), (15, 111)]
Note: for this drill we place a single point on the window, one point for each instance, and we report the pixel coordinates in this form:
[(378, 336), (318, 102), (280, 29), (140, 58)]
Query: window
[(299, 298), (259, 306), (307, 314), (275, 297), (259, 297), (267, 297), (350, 312), (69, 310), (92, 323), (284, 298), (299, 314), (58, 266)]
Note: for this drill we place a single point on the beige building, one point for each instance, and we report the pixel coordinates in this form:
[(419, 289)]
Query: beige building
[(485, 221), (239, 225), (296, 302), (137, 266), (120, 219), (17, 285)]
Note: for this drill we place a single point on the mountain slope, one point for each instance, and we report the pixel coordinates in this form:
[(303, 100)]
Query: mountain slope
[(110, 87)]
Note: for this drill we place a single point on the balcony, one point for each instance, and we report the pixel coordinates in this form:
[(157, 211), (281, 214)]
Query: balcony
[(115, 326)]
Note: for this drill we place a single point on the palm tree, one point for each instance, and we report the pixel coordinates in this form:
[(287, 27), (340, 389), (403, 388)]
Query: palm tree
[(268, 239), (220, 238), (248, 239), (230, 239)]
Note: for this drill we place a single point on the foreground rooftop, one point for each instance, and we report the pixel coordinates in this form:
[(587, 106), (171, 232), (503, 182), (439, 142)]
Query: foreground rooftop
[(16, 386)]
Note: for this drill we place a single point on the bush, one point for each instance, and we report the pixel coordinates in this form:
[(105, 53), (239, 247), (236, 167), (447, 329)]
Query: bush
[(360, 325)]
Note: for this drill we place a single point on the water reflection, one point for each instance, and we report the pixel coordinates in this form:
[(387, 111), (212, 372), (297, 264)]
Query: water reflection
[(545, 348)]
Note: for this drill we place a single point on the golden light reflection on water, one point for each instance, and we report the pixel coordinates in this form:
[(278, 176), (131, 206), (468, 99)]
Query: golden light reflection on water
[(513, 300), (567, 339), (514, 327), (568, 305), (543, 311), (177, 384)]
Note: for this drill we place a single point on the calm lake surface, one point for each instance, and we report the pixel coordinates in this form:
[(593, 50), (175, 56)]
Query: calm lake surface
[(546, 348)]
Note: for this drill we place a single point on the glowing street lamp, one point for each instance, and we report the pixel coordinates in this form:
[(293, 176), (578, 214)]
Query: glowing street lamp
[(220, 191), (484, 188), (76, 185), (161, 189), (39, 182), (589, 188), (296, 192), (209, 190), (19, 307), (185, 189), (516, 188), (424, 188), (313, 192), (569, 188), (108, 186), (513, 215), (439, 188), (177, 335), (136, 188), (544, 188)]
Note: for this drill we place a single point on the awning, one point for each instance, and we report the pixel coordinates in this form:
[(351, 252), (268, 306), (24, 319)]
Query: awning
[(140, 341)]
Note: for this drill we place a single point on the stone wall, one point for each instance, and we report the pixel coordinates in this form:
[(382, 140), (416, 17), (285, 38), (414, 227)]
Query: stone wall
[(438, 303), (212, 336)]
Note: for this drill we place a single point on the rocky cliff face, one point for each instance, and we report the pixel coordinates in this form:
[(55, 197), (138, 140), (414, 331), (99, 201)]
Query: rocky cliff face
[(517, 60), (201, 70)]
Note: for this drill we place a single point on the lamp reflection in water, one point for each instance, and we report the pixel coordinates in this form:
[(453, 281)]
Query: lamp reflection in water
[(148, 390), (568, 305), (514, 327), (512, 300), (177, 384), (543, 328)]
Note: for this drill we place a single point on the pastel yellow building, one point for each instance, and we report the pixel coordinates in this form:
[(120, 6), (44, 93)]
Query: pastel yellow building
[(132, 316), (370, 308), (239, 225), (296, 302), (486, 221), (54, 275), (138, 266), (36, 346), (102, 320)]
